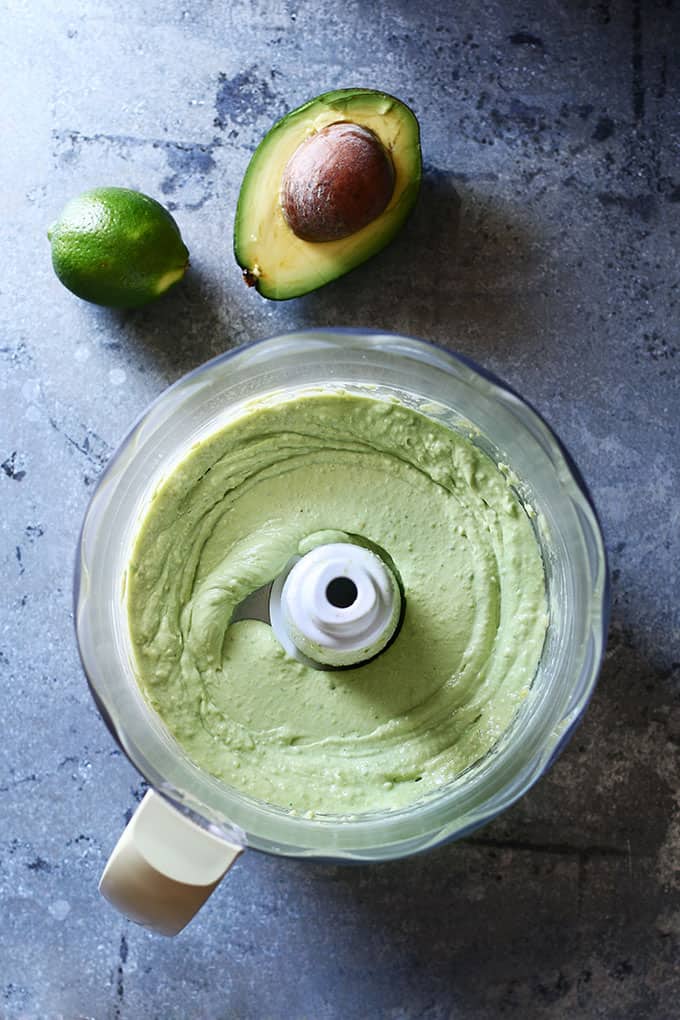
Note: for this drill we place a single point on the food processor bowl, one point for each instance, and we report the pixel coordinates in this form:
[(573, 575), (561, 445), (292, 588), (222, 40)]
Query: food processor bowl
[(449, 389)]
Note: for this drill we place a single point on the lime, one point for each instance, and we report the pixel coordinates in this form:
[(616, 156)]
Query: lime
[(117, 247)]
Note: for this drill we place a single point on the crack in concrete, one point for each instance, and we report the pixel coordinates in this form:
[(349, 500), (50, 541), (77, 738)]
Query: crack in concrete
[(560, 849)]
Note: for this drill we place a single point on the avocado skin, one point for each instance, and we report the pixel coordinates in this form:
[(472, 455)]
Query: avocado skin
[(334, 258)]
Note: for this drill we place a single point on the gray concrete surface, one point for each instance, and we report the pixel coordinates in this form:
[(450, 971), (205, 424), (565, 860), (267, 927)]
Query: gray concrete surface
[(545, 245)]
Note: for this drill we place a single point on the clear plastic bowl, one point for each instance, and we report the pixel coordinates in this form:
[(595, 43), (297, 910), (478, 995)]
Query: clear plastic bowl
[(445, 387)]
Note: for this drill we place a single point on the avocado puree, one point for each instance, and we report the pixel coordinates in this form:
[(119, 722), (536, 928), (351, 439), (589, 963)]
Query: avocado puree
[(229, 518)]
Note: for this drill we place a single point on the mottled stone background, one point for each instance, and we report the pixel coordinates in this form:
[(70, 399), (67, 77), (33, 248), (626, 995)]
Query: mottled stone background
[(545, 245)]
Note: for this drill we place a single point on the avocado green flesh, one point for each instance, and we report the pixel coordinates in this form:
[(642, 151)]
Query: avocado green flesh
[(282, 265), (229, 517)]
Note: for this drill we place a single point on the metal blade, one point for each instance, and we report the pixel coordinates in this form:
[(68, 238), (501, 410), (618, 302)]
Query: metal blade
[(255, 606)]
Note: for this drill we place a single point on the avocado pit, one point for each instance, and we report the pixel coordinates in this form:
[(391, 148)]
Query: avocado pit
[(336, 182)]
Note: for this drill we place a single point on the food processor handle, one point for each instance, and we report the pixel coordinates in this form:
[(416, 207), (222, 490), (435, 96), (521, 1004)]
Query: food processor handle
[(164, 867)]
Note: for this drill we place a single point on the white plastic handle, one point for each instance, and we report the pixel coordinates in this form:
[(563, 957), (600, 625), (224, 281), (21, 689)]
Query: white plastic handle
[(164, 867)]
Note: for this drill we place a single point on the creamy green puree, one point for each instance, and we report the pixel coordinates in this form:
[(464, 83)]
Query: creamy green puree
[(229, 518)]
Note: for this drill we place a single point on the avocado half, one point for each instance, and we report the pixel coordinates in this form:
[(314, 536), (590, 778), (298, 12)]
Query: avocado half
[(275, 260)]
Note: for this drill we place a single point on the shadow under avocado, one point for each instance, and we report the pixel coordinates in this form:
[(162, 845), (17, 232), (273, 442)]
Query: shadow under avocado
[(460, 273)]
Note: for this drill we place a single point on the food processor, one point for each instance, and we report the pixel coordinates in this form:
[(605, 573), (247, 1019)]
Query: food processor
[(336, 607)]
